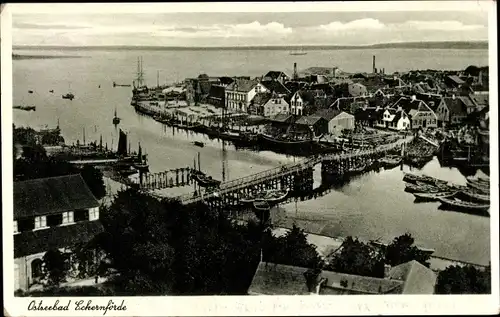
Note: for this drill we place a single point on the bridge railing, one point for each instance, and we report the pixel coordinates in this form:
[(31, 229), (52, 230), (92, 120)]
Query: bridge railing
[(288, 169)]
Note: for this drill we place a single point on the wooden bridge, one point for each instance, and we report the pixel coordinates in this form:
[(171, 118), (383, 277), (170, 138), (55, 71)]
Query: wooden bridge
[(296, 176)]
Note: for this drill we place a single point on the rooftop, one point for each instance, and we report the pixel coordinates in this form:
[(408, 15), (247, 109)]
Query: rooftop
[(242, 85), (53, 195), (278, 279)]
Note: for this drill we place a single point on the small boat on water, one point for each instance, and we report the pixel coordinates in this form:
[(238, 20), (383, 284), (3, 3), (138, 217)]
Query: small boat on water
[(298, 52), (204, 180), (413, 178), (271, 196), (433, 196), (261, 205), (116, 120), (480, 187), (382, 245), (198, 143), (30, 91), (51, 91), (69, 96), (475, 195), (458, 203), (412, 188), (391, 160), (25, 108), (479, 179), (358, 169)]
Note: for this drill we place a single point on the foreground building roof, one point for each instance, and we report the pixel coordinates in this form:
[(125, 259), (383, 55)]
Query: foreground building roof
[(53, 195)]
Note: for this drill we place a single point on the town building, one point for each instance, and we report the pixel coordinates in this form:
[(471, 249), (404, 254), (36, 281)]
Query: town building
[(480, 101), (337, 120), (318, 125), (410, 278), (217, 95), (357, 90), (369, 116), (279, 76), (421, 115), (276, 87), (396, 119), (452, 110), (240, 93), (275, 105), (50, 213)]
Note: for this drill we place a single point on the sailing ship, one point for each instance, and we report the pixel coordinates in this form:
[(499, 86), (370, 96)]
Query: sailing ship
[(142, 160), (116, 120), (120, 85)]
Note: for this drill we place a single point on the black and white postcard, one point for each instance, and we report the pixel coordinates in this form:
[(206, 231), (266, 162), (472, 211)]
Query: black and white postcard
[(192, 158)]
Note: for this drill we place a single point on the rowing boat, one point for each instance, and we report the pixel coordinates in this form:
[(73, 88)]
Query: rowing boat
[(457, 203), (412, 188), (433, 196), (476, 195), (479, 187)]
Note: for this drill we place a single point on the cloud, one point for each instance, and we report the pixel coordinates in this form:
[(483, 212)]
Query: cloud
[(440, 25), (361, 24), (48, 26)]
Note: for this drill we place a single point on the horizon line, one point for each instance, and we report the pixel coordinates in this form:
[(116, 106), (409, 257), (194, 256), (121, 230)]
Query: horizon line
[(377, 45)]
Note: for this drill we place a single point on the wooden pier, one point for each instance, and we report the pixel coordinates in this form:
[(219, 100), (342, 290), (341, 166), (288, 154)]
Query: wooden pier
[(298, 177)]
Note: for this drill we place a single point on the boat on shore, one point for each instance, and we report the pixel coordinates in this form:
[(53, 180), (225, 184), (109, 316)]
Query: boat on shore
[(455, 202)]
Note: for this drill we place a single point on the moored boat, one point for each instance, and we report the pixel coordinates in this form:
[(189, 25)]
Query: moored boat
[(261, 205), (198, 143), (391, 160), (412, 188), (458, 203), (471, 194), (382, 245), (433, 196), (69, 96), (480, 187), (204, 180)]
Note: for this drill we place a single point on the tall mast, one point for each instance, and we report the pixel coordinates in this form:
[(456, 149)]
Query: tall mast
[(83, 135), (157, 78)]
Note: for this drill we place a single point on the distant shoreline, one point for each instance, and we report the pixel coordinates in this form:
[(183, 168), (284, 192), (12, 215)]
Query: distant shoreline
[(22, 56), (476, 45)]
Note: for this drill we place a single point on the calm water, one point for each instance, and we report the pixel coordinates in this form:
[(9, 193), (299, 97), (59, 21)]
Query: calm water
[(372, 206)]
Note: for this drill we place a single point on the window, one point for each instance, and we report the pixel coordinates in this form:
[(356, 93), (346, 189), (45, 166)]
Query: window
[(15, 227), (40, 222), (68, 217), (94, 213)]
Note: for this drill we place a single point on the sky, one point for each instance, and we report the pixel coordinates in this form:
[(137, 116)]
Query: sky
[(161, 28)]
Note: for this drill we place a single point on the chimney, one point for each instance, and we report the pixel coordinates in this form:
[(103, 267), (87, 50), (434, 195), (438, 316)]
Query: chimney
[(313, 280), (374, 69), (295, 75)]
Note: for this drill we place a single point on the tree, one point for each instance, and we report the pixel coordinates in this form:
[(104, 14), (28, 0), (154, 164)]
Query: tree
[(463, 280), (291, 249), (55, 267), (358, 258), (94, 180), (402, 250)]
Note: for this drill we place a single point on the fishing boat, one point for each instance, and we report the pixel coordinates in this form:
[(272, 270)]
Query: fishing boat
[(116, 120), (69, 96), (204, 180), (480, 187), (30, 91), (276, 196), (51, 91), (475, 195), (141, 163), (198, 143), (433, 196), (413, 178), (412, 188), (391, 160), (478, 179), (261, 205), (230, 136), (458, 203), (25, 108), (382, 245), (120, 85)]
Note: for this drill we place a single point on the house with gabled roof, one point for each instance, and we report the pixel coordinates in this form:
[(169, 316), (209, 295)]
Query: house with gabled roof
[(420, 114), (276, 87), (337, 120), (279, 76), (396, 119), (50, 213), (240, 93), (453, 110), (410, 278)]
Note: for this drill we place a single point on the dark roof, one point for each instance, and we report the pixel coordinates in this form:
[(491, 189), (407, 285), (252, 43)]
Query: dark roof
[(261, 98), (275, 74), (278, 279), (456, 79), (32, 242), (429, 99), (243, 85), (370, 113), (217, 92), (398, 116), (226, 80), (480, 99), (408, 104), (327, 114), (51, 195), (205, 87), (275, 86), (456, 106), (308, 120), (282, 118)]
